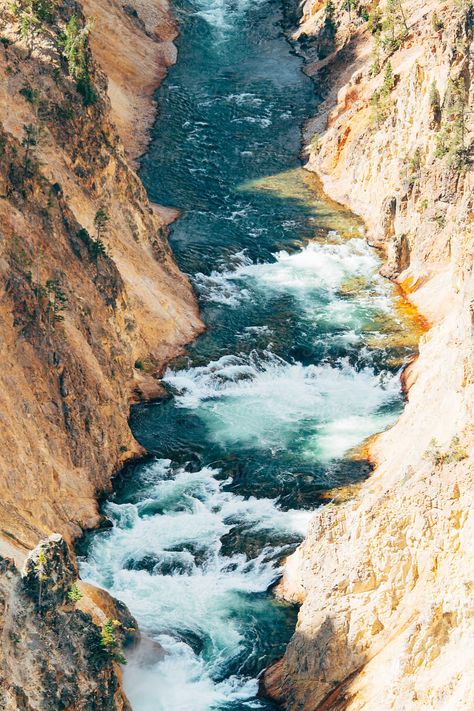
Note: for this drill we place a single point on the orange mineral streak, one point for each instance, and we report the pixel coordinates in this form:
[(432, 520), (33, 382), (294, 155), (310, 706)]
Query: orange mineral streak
[(407, 307)]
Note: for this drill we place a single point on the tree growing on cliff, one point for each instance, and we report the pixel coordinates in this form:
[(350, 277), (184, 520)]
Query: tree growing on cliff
[(40, 569), (51, 303), (109, 641), (388, 80), (394, 25), (349, 5), (74, 594), (375, 20), (33, 16), (29, 143), (375, 55), (57, 301), (435, 105), (330, 26), (380, 100), (451, 139), (75, 49), (95, 247), (101, 220)]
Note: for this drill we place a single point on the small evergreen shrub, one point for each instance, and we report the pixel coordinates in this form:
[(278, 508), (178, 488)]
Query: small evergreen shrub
[(74, 594), (109, 642)]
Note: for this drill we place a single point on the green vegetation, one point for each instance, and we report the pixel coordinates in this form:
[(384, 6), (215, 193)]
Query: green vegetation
[(35, 19), (40, 569), (29, 142), (100, 222), (363, 12), (52, 301), (109, 642), (330, 26), (349, 5), (74, 594), (435, 103), (380, 101), (452, 134), (394, 25), (388, 80), (75, 44), (376, 65), (31, 95), (455, 453), (32, 15), (412, 165), (436, 23), (375, 20), (95, 247)]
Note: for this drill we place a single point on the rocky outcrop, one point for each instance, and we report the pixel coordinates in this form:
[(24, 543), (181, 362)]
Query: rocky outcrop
[(385, 579), (52, 655)]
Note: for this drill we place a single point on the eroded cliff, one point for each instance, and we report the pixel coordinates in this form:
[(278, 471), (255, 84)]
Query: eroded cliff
[(89, 286), (92, 303), (385, 579)]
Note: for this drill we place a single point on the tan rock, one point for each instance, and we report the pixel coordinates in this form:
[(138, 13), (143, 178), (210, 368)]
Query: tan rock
[(384, 578)]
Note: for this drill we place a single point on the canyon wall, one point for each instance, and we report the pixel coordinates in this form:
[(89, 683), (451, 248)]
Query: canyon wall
[(386, 578), (92, 305)]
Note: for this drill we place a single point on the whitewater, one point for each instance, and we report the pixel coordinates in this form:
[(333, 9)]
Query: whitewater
[(300, 363)]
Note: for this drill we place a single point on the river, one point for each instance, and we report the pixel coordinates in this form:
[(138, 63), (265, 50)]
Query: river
[(299, 364)]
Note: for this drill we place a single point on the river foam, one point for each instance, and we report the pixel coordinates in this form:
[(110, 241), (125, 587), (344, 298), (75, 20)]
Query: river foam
[(290, 375), (163, 558), (261, 400)]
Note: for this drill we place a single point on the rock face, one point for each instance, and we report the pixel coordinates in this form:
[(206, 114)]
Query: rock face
[(92, 305), (52, 656), (83, 300), (386, 579)]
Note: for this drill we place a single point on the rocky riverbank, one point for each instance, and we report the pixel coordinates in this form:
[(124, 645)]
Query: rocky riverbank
[(384, 579)]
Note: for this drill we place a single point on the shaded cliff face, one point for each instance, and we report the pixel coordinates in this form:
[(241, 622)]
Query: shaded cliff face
[(385, 579), (91, 307), (89, 287)]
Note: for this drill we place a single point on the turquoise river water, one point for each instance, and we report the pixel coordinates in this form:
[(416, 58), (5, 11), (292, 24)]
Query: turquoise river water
[(300, 363)]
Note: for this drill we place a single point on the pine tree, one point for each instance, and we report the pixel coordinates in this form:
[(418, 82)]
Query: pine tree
[(349, 5), (74, 594), (75, 42), (33, 15), (75, 47), (435, 105), (375, 54), (452, 136), (109, 641), (388, 80), (329, 21), (100, 221), (394, 25), (40, 569), (29, 143)]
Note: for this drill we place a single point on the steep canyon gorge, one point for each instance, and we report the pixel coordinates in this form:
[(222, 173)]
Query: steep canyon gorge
[(94, 307)]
